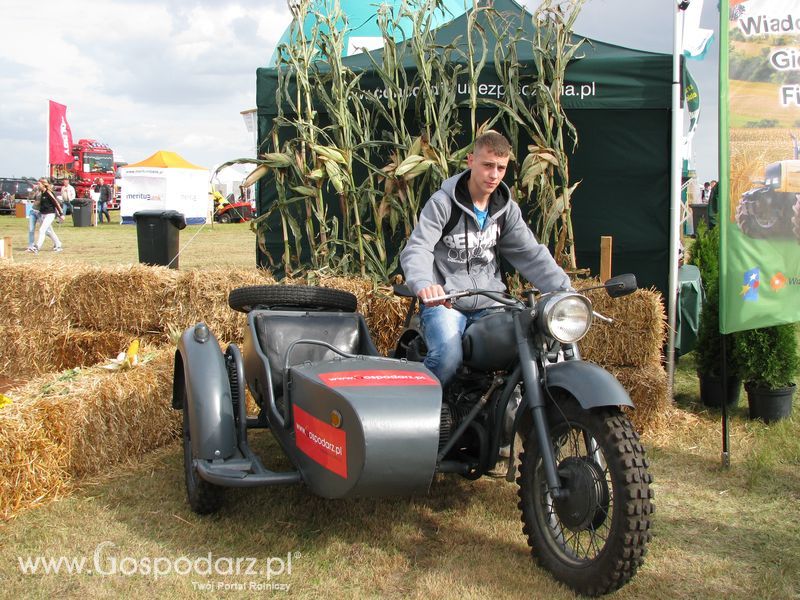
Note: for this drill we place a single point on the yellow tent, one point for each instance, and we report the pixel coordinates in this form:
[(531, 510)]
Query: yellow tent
[(164, 181), (165, 160)]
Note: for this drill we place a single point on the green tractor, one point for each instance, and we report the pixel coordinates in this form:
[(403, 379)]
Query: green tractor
[(773, 209)]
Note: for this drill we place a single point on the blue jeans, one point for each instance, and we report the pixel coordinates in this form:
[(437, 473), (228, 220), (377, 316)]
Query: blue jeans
[(33, 218), (443, 328)]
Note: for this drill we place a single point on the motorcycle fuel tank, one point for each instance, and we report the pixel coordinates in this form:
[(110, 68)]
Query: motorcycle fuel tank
[(365, 426)]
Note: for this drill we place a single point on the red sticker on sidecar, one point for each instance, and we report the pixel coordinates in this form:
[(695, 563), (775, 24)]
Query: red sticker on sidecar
[(322, 443), (379, 377)]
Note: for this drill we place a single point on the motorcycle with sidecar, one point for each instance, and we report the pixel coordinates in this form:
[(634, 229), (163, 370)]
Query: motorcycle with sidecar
[(354, 423)]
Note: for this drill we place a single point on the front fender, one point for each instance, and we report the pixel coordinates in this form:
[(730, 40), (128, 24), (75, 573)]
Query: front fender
[(200, 372), (591, 385)]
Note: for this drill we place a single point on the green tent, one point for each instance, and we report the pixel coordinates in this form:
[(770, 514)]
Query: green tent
[(619, 101)]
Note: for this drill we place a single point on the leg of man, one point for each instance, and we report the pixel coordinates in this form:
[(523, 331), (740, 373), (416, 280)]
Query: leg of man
[(443, 328)]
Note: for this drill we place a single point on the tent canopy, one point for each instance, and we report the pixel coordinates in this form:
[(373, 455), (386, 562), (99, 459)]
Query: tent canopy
[(619, 100), (164, 159)]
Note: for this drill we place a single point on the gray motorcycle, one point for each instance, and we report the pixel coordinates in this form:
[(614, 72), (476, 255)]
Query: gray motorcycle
[(354, 423)]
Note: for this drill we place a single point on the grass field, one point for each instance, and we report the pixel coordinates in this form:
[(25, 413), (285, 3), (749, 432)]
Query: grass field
[(718, 533), (200, 245), (754, 101)]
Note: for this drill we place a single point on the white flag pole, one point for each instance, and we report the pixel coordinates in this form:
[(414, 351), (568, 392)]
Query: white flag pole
[(675, 190), (47, 141)]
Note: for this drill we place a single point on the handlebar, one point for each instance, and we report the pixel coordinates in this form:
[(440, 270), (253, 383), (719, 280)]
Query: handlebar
[(500, 297)]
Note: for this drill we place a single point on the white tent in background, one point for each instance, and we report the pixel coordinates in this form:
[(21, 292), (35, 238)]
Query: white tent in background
[(228, 180), (165, 181)]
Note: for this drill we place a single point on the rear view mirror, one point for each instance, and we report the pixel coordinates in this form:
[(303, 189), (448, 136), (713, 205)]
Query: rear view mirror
[(621, 285)]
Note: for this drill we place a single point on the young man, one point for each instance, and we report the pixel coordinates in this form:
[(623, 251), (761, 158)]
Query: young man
[(446, 253)]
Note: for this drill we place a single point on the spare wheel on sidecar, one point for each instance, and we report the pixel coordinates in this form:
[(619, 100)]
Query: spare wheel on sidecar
[(273, 297)]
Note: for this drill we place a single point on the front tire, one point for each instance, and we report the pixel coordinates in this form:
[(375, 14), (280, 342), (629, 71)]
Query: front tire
[(595, 539), (205, 498)]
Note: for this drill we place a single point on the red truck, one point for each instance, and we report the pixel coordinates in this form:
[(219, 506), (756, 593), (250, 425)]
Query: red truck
[(91, 159)]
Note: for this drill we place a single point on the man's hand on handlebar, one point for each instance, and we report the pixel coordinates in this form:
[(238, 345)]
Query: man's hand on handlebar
[(433, 296)]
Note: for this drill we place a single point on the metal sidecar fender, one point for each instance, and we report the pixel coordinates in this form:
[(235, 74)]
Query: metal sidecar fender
[(201, 374), (591, 385)]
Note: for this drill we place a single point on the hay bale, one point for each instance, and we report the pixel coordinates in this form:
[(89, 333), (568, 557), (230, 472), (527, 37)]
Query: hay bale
[(203, 296), (103, 417), (124, 298), (32, 293), (31, 351), (635, 338), (647, 387), (32, 464)]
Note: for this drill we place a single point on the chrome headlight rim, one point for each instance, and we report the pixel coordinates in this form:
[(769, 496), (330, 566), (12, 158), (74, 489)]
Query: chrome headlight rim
[(558, 308)]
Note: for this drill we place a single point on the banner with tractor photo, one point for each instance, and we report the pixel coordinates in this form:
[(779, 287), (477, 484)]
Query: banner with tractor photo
[(759, 164)]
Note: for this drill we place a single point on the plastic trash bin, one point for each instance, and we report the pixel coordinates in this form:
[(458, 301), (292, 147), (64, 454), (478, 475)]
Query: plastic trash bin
[(157, 232), (699, 214), (82, 213)]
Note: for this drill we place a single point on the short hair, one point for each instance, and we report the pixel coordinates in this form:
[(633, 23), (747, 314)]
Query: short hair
[(493, 141)]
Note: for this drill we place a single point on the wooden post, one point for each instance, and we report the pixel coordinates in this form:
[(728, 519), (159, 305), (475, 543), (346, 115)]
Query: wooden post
[(5, 248), (605, 258)]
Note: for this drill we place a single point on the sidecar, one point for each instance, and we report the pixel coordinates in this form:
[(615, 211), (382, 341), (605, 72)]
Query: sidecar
[(352, 422)]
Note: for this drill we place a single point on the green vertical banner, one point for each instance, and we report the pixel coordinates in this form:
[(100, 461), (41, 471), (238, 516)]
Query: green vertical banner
[(759, 190)]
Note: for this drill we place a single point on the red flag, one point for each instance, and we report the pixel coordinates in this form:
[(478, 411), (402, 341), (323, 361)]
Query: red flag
[(60, 135)]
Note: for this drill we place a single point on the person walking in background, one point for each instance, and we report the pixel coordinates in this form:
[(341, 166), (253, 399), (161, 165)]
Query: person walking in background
[(705, 192), (34, 197), (50, 209), (103, 196)]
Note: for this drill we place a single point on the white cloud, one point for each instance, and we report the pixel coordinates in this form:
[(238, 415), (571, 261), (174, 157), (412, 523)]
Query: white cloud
[(139, 75)]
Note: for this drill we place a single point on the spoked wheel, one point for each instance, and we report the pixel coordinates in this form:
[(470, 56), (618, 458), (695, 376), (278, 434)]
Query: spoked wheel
[(204, 497), (245, 299), (595, 538)]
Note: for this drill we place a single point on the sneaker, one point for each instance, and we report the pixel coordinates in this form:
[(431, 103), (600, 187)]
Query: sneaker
[(30, 249), (35, 250), (59, 249)]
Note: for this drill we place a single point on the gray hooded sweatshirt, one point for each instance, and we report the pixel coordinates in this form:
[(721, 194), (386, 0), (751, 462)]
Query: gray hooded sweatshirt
[(466, 258)]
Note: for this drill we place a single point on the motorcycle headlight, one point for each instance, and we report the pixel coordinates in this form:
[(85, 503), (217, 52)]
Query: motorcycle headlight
[(566, 317)]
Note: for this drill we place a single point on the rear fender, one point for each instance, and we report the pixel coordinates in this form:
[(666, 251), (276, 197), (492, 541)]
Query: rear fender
[(200, 372)]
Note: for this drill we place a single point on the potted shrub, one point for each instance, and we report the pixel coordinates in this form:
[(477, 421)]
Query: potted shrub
[(767, 361), (708, 350)]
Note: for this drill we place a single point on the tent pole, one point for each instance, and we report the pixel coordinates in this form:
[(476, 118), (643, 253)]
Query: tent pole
[(675, 191)]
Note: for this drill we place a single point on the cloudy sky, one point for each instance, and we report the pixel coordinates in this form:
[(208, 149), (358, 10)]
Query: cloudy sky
[(145, 75)]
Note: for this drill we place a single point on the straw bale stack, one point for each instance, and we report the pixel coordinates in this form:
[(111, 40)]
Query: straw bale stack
[(647, 387), (62, 426), (26, 352), (73, 423), (635, 338), (32, 464)]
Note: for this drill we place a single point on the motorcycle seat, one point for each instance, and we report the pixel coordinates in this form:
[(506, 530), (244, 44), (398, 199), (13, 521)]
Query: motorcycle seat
[(277, 330)]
